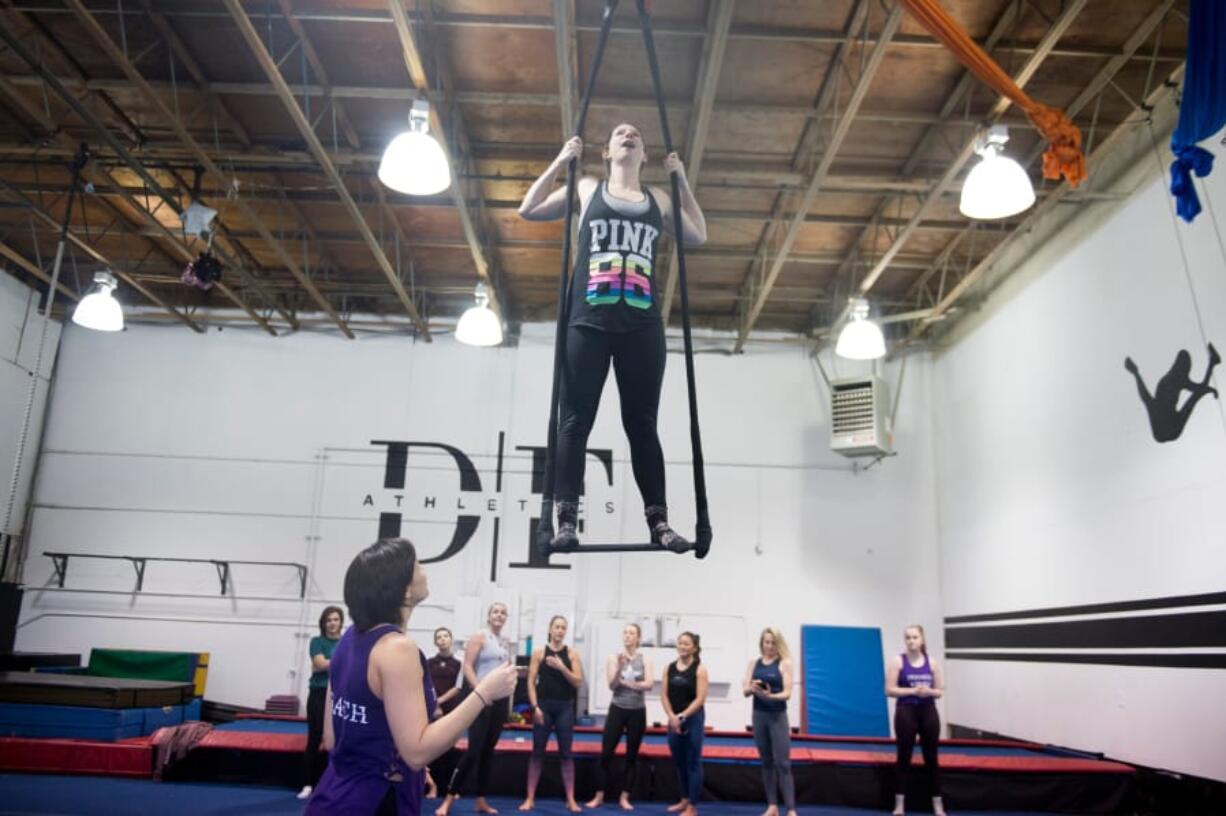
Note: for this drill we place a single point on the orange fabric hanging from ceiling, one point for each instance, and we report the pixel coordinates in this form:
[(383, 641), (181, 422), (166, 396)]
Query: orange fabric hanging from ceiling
[(1063, 156)]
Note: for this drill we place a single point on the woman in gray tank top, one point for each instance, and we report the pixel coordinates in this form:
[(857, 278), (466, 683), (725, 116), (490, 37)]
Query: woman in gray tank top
[(485, 651), (630, 677)]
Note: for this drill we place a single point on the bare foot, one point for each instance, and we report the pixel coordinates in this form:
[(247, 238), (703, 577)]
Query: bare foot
[(445, 807), (596, 801), (624, 802), (573, 806), (528, 805), (898, 812), (482, 806), (771, 810), (690, 810), (680, 806)]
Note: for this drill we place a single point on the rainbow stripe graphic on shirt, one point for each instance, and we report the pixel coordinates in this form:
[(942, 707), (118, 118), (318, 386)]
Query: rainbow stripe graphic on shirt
[(637, 287), (604, 278), (612, 277)]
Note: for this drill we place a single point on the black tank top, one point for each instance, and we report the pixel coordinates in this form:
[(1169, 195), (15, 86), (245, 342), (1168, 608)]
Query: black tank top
[(614, 287), (682, 686), (550, 684)]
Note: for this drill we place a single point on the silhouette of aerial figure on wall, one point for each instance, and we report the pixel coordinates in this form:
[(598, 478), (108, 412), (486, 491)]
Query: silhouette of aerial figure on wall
[(1166, 418)]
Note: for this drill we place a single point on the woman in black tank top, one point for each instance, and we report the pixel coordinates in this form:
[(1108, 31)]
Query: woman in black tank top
[(684, 700), (554, 674), (615, 315)]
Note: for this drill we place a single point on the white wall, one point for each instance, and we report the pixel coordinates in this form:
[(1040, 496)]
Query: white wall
[(1053, 493), (239, 445), (27, 343)]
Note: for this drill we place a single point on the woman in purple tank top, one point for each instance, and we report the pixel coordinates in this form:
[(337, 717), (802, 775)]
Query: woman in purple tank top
[(380, 699), (914, 679)]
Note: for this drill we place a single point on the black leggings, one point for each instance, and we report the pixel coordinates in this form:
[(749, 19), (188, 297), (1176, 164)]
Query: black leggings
[(922, 721), (315, 760), (638, 365), (482, 737), (632, 721)]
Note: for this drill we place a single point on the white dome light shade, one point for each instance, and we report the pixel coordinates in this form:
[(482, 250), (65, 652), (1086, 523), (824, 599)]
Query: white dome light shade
[(99, 310), (861, 338), (479, 326), (997, 187), (414, 162)]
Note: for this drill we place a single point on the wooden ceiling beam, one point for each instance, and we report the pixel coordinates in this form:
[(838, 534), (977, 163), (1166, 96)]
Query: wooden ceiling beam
[(760, 277), (273, 73), (762, 33), (1062, 191), (440, 90), (117, 56), (719, 21), (120, 272), (852, 260), (1057, 30)]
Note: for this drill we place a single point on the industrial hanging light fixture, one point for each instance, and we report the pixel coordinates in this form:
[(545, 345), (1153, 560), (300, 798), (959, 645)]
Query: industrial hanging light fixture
[(479, 326), (861, 338), (414, 162), (99, 310), (997, 187)]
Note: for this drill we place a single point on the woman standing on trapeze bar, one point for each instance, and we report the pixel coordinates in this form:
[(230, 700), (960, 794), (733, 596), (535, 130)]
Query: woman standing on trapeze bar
[(614, 315)]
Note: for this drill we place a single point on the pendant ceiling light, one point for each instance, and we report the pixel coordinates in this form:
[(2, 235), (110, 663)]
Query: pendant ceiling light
[(414, 162), (479, 326), (99, 310), (997, 187), (861, 338)]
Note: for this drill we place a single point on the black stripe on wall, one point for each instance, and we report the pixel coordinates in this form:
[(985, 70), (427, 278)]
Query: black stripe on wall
[(1176, 661), (1173, 601), (1147, 631)]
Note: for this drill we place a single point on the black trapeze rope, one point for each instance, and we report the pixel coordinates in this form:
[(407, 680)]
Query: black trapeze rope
[(544, 531)]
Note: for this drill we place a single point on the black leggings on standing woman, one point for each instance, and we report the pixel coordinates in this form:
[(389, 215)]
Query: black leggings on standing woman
[(633, 722), (315, 760), (922, 721), (638, 365), (483, 736)]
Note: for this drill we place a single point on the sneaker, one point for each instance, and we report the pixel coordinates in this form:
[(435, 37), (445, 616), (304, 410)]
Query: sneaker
[(305, 793)]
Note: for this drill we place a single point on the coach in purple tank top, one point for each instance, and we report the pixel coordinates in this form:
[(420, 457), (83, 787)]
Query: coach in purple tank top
[(380, 698)]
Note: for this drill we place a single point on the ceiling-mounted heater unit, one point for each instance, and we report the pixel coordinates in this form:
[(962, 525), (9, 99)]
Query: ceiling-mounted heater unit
[(860, 417)]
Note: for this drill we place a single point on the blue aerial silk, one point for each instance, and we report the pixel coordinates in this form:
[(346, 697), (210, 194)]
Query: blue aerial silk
[(1202, 112)]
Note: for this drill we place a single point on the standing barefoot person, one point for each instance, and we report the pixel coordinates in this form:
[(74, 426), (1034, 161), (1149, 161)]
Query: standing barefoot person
[(769, 681), (685, 694), (915, 680), (629, 676), (485, 651), (554, 673), (446, 672)]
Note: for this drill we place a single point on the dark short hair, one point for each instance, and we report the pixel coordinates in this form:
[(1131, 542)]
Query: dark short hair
[(323, 616), (377, 580), (442, 629)]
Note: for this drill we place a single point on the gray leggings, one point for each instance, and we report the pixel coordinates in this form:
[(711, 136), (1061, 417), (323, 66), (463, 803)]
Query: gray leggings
[(773, 738)]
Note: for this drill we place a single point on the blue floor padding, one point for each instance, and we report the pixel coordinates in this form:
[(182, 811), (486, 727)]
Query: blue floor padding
[(22, 794), (265, 726)]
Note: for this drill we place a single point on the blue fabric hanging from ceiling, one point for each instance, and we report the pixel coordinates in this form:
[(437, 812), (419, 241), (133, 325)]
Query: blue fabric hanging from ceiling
[(1202, 111)]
